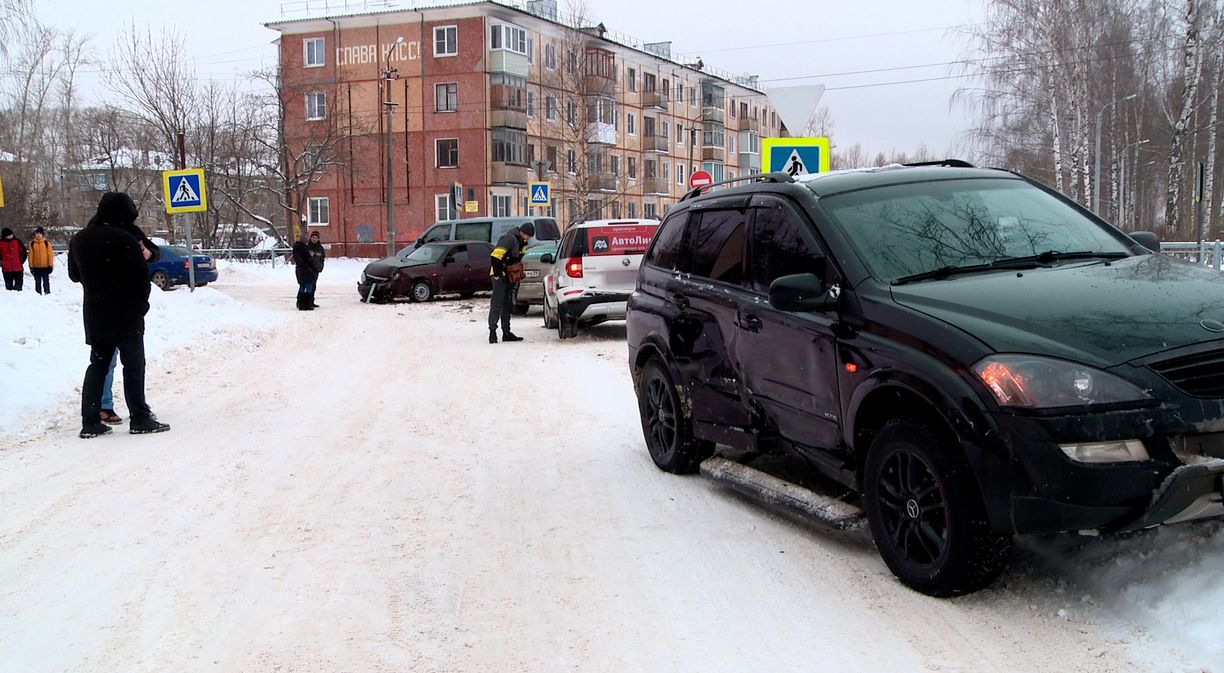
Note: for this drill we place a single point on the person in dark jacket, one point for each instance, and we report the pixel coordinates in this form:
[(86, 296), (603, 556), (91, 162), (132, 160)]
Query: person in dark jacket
[(109, 258), (12, 259), (308, 258), (509, 251)]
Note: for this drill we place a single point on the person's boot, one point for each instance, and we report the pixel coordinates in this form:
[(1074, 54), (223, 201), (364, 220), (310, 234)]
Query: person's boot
[(493, 336), (303, 302), (146, 425), (310, 300), (94, 429), (510, 336)]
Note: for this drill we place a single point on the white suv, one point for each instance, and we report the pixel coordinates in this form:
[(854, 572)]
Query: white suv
[(594, 272)]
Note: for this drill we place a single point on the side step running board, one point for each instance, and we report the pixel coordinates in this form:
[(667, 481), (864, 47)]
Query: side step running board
[(783, 494)]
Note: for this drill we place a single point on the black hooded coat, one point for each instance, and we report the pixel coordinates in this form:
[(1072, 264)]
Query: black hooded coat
[(105, 258)]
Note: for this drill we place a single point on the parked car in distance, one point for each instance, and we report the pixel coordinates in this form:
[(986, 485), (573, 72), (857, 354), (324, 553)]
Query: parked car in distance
[(531, 289), (171, 268), (974, 354), (488, 229), (446, 267), (593, 272)]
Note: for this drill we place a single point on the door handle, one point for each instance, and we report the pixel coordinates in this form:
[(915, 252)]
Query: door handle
[(749, 322), (680, 300)]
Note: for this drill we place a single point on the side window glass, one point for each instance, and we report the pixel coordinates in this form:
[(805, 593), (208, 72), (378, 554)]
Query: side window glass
[(438, 233), (476, 231), (668, 243), (574, 243), (718, 245), (781, 246), (460, 253)]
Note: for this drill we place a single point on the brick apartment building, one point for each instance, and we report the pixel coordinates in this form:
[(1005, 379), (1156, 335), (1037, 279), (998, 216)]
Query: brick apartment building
[(491, 95)]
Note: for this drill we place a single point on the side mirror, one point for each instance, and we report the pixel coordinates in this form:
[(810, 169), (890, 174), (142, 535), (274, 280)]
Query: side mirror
[(547, 258), (1147, 239), (449, 259), (802, 292)]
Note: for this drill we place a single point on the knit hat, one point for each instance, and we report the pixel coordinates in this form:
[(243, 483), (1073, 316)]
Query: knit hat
[(528, 229), (6, 232), (40, 230), (117, 208), (315, 234)]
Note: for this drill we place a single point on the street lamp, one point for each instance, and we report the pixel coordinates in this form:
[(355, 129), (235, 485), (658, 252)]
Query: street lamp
[(389, 74), (1096, 173)]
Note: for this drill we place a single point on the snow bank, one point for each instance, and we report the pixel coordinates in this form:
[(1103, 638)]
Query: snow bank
[(339, 271)]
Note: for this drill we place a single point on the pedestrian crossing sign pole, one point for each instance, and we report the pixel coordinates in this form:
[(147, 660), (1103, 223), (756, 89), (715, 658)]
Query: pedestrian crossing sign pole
[(795, 156), (184, 191), (540, 194)]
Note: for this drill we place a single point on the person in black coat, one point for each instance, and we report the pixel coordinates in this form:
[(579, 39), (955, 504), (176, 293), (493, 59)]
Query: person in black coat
[(109, 258), (308, 256)]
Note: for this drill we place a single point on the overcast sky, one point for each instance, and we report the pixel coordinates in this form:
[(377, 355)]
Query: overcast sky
[(784, 41)]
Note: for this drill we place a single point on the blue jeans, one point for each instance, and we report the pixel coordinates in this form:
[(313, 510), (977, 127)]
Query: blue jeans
[(108, 397), (308, 288)]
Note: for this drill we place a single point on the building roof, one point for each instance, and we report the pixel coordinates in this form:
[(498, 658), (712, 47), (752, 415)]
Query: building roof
[(303, 11)]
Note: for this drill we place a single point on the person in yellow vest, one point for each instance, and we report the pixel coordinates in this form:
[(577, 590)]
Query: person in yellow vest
[(42, 261)]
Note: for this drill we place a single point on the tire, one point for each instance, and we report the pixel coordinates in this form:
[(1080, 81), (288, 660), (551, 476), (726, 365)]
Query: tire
[(161, 280), (668, 432), (567, 326), (421, 291), (550, 318), (520, 309), (926, 516)]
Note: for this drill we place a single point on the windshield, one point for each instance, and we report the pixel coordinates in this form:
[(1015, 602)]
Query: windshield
[(427, 254), (903, 230)]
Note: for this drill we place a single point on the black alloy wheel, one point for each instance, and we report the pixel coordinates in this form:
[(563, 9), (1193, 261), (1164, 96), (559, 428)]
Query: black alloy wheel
[(668, 433), (913, 507)]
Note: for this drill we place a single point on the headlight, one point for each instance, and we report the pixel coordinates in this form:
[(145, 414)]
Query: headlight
[(363, 277), (1030, 382)]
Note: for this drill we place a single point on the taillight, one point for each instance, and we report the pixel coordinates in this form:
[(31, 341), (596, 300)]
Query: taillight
[(573, 267), (186, 265)]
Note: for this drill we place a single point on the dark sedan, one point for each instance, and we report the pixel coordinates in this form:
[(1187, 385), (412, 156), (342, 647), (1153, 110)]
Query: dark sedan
[(444, 267), (171, 268)]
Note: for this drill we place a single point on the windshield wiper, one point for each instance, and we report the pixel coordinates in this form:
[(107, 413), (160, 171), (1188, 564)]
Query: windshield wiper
[(943, 272), (1047, 257)]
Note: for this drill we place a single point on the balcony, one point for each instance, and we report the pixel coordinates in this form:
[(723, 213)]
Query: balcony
[(599, 84), (601, 182), (502, 173), (654, 186), (713, 114), (508, 118), (601, 134), (654, 99), (711, 153), (747, 123), (749, 160), (655, 143)]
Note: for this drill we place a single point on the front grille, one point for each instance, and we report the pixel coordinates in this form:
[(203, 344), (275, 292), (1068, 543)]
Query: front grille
[(1201, 375)]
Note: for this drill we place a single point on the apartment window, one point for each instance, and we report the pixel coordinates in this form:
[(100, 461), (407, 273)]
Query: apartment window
[(665, 125), (313, 56), (571, 162), (650, 169), (594, 209), (550, 108), (551, 155), (550, 56), (446, 41), (510, 38), (616, 210), (693, 98), (743, 109), (595, 163), (715, 169), (731, 143), (510, 146), (507, 92), (632, 168), (631, 78), (614, 165), (680, 174), (649, 126), (631, 123), (446, 97), (501, 205), (442, 209), (571, 61), (316, 105), (679, 133), (313, 157), (447, 152), (650, 211), (666, 171), (571, 111), (730, 107), (319, 215), (530, 103), (679, 93), (714, 135), (632, 210), (648, 82), (530, 56), (666, 86)]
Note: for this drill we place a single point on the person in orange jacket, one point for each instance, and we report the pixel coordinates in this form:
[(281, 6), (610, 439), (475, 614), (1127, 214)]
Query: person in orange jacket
[(42, 261)]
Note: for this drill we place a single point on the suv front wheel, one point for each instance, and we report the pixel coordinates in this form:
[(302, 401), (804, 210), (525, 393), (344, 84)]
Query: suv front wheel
[(668, 432), (925, 515)]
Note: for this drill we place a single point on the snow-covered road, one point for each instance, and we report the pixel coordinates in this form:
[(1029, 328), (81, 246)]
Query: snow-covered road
[(376, 488)]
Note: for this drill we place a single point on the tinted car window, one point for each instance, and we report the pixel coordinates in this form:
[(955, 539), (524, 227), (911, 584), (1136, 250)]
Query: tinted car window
[(460, 253), (547, 230), (907, 229), (718, 245), (478, 231), (440, 232), (781, 246), (669, 241), (573, 245)]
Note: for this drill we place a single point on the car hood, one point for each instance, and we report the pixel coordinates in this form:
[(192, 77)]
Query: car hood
[(384, 267), (1095, 313)]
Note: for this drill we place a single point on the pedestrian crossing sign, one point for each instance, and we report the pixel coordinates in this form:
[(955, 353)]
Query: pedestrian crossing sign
[(541, 194), (795, 156), (184, 191)]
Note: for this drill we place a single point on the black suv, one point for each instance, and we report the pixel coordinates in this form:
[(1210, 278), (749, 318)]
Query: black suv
[(971, 353)]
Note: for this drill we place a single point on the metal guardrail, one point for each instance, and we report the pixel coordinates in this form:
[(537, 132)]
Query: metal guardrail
[(1206, 253), (257, 255)]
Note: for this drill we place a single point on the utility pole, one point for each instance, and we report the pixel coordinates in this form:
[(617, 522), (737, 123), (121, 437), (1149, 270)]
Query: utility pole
[(389, 75)]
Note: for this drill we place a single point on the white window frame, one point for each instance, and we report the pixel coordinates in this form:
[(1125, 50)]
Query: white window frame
[(442, 207), (550, 108), (499, 200), (316, 206), (630, 124), (437, 99), (679, 173), (437, 157), (322, 52), (454, 48), (571, 162), (508, 37), (322, 105)]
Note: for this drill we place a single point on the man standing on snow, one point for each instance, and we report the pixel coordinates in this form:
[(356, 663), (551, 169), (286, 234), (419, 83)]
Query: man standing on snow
[(308, 255), (109, 258), (507, 272), (12, 260)]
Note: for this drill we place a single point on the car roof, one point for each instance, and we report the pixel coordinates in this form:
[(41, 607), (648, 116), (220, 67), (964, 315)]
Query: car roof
[(449, 243), (613, 222), (836, 182)]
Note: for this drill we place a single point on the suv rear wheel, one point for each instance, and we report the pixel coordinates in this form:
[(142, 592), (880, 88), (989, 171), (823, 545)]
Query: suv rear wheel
[(925, 515), (567, 325), (668, 432)]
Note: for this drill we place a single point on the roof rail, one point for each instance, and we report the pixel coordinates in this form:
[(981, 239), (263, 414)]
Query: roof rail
[(759, 177), (950, 163)]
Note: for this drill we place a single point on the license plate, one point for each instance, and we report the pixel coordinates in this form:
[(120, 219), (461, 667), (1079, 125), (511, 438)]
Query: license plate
[(531, 273)]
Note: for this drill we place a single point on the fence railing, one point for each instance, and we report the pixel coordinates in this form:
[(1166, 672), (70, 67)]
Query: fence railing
[(1207, 253), (257, 255)]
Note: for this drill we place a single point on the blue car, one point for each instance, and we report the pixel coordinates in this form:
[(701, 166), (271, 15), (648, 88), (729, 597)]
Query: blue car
[(170, 269)]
